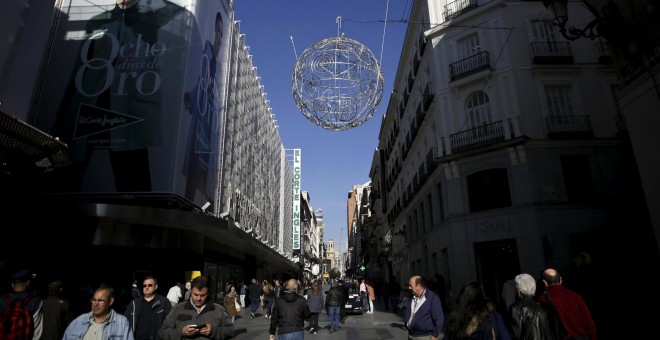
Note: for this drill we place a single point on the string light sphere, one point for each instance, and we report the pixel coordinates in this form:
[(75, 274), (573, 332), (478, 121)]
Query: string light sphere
[(337, 83)]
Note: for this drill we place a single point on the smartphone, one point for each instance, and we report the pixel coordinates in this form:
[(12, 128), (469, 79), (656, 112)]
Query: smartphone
[(198, 326)]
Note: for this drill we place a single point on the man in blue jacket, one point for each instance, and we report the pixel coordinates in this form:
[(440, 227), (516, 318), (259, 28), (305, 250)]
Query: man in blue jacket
[(424, 316)]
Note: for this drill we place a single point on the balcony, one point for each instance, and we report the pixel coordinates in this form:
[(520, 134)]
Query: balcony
[(561, 127), (458, 8), (551, 52), (477, 137), (469, 66)]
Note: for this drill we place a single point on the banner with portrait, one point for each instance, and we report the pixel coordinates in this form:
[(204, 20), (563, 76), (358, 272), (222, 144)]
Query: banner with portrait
[(135, 88)]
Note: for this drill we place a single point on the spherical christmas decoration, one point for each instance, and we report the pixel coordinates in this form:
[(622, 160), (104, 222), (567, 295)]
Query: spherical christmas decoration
[(337, 83)]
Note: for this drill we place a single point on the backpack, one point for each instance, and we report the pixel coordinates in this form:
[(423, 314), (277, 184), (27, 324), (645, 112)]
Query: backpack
[(16, 319)]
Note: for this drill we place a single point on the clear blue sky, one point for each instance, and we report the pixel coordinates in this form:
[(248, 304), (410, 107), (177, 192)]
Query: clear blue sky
[(332, 161)]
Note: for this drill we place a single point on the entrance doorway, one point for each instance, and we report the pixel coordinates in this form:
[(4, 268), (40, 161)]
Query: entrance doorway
[(497, 262)]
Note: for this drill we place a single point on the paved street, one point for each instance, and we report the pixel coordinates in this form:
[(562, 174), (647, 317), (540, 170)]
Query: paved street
[(379, 325)]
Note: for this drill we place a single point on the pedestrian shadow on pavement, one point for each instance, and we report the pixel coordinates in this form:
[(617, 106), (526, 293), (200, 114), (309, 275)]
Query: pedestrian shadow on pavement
[(399, 325), (238, 331)]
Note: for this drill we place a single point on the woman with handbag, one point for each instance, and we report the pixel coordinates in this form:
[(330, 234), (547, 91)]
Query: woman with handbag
[(231, 303)]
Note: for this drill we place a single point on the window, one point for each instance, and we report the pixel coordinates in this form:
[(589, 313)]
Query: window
[(544, 31), (441, 209), (488, 189), (558, 100), (422, 219), (468, 46), (577, 178), (478, 108)]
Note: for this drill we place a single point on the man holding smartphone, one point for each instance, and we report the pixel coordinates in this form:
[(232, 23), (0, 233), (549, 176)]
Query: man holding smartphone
[(198, 317)]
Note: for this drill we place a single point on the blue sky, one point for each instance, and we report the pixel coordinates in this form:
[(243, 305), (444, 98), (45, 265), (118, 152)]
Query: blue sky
[(332, 161)]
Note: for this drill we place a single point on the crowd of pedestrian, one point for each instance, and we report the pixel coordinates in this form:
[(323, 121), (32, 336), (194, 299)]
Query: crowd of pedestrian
[(557, 314), (551, 312), (137, 312)]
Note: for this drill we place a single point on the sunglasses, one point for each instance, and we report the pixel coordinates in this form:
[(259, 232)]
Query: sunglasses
[(148, 285)]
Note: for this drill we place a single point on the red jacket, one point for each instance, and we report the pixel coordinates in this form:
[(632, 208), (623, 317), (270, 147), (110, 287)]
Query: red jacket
[(572, 310)]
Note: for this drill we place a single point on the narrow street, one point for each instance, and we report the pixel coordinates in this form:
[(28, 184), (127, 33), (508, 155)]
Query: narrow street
[(381, 324)]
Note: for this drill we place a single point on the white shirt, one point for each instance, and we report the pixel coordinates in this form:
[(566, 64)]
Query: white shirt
[(174, 294), (416, 303)]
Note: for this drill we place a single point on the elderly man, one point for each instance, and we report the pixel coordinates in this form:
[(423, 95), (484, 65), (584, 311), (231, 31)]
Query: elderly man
[(528, 319), (574, 317), (423, 316)]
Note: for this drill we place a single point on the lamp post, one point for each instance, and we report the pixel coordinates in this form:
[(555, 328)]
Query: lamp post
[(600, 26)]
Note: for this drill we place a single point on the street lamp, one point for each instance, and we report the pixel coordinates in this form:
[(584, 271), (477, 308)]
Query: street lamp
[(600, 26)]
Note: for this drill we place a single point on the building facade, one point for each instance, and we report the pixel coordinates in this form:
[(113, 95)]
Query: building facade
[(217, 196), (503, 151)]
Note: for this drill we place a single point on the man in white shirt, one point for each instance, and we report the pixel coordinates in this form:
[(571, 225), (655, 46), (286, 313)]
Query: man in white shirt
[(174, 294)]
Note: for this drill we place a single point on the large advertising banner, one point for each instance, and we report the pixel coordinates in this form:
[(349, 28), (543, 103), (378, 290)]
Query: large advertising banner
[(135, 88)]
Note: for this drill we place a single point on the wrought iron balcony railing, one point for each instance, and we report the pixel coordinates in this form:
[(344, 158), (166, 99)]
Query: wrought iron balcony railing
[(477, 137), (457, 8), (569, 126), (469, 66), (552, 52)]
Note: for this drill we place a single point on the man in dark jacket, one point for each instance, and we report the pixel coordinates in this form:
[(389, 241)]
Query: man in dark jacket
[(289, 313), (147, 313), (254, 291), (333, 303), (344, 296), (423, 315)]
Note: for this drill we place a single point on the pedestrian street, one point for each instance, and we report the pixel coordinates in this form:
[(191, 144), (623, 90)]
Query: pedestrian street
[(381, 325)]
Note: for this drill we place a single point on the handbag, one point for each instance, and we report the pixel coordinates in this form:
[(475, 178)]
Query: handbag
[(561, 323), (238, 306)]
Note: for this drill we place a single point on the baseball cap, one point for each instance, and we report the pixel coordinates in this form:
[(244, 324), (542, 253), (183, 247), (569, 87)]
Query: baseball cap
[(20, 276)]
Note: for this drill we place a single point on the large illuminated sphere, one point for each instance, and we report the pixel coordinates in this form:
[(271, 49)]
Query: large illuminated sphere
[(337, 83)]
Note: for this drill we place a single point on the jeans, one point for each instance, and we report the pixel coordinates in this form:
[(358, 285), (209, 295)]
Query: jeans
[(267, 306), (333, 312), (292, 336), (314, 322), (254, 305), (243, 300)]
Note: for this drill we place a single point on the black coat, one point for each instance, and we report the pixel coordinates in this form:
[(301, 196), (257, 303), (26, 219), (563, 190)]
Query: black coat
[(289, 314), (529, 321), (254, 291)]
